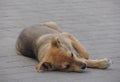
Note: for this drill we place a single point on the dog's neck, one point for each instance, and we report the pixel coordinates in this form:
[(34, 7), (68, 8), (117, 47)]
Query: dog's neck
[(41, 46), (43, 51)]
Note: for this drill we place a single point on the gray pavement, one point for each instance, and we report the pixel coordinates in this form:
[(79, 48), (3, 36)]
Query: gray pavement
[(96, 23)]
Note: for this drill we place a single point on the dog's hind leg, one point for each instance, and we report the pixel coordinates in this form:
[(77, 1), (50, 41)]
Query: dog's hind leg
[(52, 25)]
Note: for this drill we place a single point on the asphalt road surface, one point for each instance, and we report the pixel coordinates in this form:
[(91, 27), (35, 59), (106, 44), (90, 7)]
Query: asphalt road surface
[(96, 24)]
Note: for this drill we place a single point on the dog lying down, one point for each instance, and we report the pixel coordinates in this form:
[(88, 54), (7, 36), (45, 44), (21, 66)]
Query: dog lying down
[(55, 49)]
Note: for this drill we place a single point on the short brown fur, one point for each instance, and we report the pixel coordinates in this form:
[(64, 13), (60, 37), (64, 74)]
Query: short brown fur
[(56, 50)]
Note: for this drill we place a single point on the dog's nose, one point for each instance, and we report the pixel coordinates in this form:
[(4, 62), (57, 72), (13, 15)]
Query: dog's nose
[(83, 66)]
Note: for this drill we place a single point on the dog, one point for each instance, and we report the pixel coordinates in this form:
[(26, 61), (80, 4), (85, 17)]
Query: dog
[(55, 49)]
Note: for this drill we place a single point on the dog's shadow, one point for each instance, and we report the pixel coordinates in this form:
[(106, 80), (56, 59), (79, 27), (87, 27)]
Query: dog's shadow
[(88, 71)]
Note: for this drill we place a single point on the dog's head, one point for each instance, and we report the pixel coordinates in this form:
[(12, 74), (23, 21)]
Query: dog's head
[(60, 59)]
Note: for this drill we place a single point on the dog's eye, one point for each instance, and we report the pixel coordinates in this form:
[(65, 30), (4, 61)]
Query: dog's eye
[(72, 55), (67, 66)]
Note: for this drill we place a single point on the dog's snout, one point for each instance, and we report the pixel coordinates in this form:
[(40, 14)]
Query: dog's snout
[(83, 66)]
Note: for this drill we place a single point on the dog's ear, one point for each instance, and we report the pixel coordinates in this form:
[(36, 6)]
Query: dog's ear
[(55, 42), (46, 66)]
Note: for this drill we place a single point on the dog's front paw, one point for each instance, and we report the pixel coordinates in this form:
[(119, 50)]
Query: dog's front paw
[(37, 68), (104, 63)]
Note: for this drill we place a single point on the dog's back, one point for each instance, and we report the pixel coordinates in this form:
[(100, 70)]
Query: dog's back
[(25, 40)]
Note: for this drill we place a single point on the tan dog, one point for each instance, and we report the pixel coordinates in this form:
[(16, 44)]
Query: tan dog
[(56, 50)]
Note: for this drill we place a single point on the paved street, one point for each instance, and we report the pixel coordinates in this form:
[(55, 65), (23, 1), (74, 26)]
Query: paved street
[(96, 24)]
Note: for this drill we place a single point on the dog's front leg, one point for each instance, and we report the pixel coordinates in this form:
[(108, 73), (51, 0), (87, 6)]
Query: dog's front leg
[(98, 63), (77, 46), (38, 67)]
